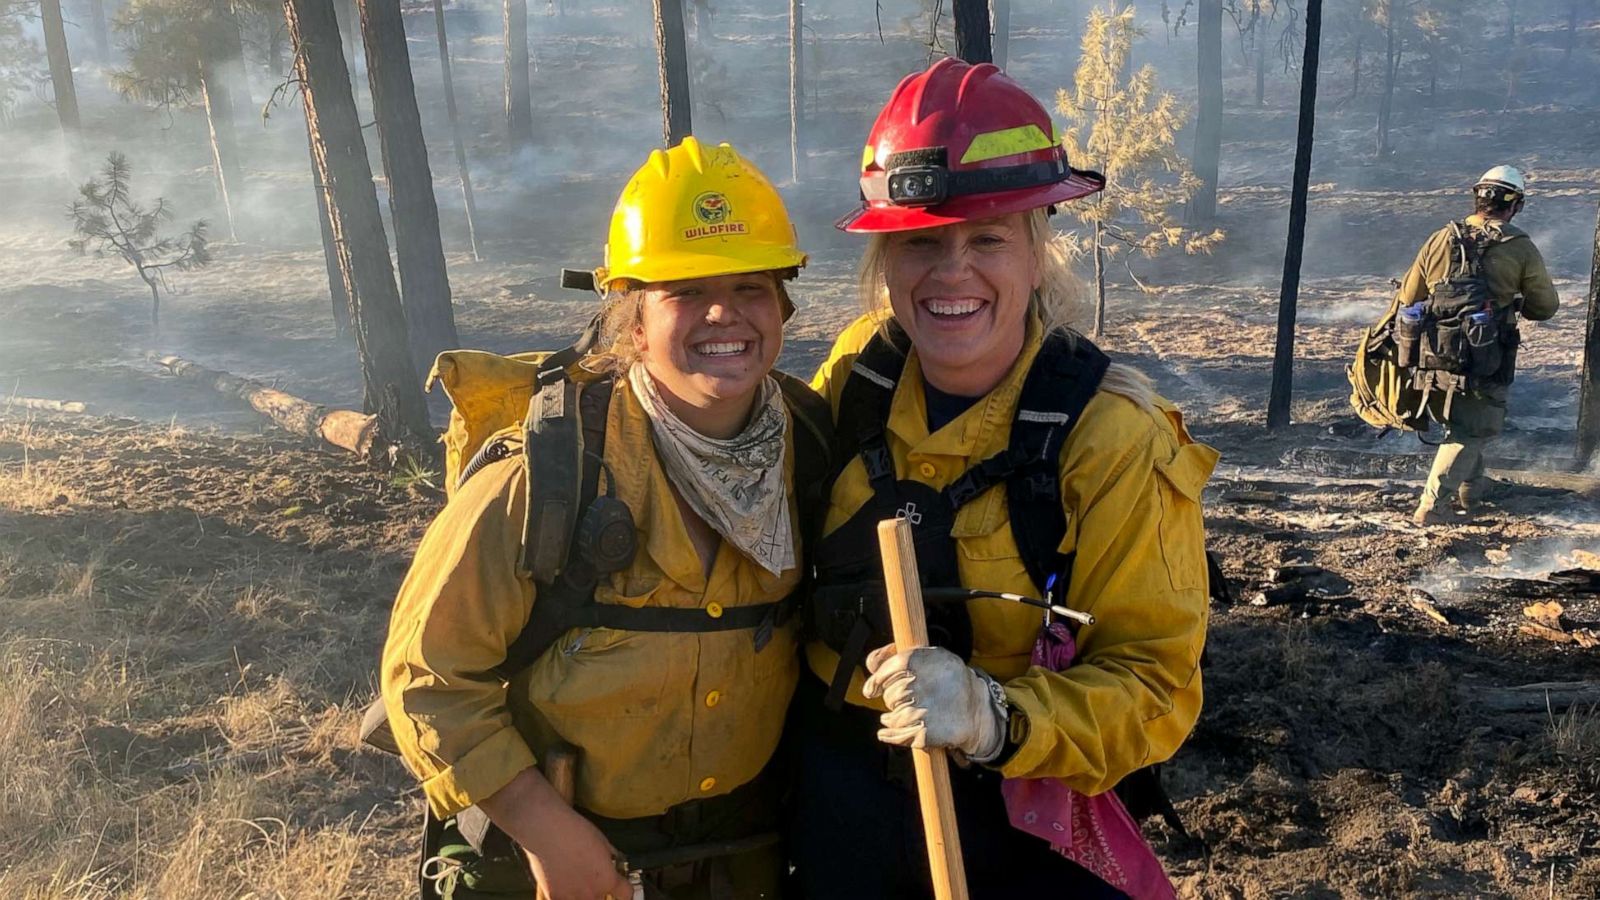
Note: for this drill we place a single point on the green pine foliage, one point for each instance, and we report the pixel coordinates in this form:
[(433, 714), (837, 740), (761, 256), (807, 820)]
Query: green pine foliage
[(109, 222)]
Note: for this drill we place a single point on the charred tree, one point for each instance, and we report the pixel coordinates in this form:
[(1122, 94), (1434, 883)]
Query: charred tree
[(1355, 69), (1288, 297), (1261, 65), (55, 48), (338, 297), (1099, 281), (98, 30), (224, 148), (796, 86), (424, 282), (1572, 31), (455, 130), (1000, 16), (1208, 124), (971, 18), (231, 61), (1589, 400), (672, 65), (519, 96), (1390, 64), (393, 390)]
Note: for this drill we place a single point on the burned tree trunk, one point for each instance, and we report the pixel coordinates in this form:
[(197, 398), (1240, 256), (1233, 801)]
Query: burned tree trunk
[(1261, 66), (1288, 296), (55, 48), (424, 283), (1572, 31), (224, 153), (231, 61), (1000, 17), (796, 87), (519, 97), (971, 19), (338, 297), (97, 29), (455, 130), (1355, 69), (393, 390), (1208, 124), (672, 63), (1589, 399), (1386, 104), (1099, 281)]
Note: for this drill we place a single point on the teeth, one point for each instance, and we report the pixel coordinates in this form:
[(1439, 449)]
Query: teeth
[(952, 307), (721, 348)]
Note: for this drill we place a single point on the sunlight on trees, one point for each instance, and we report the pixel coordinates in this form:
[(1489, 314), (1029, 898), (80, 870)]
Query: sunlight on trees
[(1125, 126)]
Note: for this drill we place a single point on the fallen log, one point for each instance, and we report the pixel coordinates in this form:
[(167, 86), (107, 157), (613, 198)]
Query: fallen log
[(1367, 465), (342, 428), (70, 406), (1552, 696)]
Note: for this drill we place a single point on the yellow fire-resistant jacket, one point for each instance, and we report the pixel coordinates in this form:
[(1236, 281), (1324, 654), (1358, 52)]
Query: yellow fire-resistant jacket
[(658, 718), (1130, 483), (1512, 266)]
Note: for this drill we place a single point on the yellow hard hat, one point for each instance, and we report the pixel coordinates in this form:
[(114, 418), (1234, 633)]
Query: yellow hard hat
[(693, 212)]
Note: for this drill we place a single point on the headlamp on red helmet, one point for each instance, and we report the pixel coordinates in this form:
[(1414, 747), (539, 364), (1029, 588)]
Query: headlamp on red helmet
[(957, 143)]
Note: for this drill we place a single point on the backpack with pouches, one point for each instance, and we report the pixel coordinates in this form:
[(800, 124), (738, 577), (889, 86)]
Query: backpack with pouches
[(573, 535), (1454, 340)]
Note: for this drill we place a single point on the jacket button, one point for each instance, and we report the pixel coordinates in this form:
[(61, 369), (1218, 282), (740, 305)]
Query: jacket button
[(713, 698), (928, 470), (707, 783), (714, 609)]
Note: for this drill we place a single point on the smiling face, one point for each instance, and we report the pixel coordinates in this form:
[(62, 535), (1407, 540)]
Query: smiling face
[(961, 293), (708, 343)]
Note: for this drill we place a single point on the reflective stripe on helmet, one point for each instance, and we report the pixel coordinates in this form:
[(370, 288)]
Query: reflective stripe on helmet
[(1010, 142)]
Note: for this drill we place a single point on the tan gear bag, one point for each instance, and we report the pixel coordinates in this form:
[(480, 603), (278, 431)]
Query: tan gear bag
[(1381, 390)]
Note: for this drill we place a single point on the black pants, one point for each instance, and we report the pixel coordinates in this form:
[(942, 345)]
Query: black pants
[(855, 828)]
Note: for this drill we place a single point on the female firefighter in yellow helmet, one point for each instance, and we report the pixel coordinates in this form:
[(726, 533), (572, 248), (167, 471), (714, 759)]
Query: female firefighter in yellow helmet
[(1028, 465), (658, 645)]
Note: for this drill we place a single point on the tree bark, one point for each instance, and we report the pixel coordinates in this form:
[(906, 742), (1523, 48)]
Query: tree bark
[(972, 30), (224, 154), (1386, 105), (1000, 17), (97, 30), (1099, 282), (519, 96), (424, 280), (1288, 296), (231, 62), (55, 48), (1355, 67), (796, 86), (455, 130), (1208, 124), (1261, 65), (672, 64), (1589, 393), (393, 390), (338, 297)]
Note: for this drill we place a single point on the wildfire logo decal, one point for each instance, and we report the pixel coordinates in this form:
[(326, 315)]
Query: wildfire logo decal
[(712, 209)]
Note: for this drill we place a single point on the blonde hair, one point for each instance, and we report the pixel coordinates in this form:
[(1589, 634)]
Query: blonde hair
[(1061, 302), (615, 352)]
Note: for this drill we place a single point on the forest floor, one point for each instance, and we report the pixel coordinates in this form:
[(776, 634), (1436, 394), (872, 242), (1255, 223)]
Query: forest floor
[(193, 603)]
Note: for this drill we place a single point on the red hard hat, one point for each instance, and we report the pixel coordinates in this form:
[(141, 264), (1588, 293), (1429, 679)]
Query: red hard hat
[(961, 142)]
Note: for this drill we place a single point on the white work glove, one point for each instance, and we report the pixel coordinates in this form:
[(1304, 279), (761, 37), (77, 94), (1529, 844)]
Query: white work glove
[(936, 700)]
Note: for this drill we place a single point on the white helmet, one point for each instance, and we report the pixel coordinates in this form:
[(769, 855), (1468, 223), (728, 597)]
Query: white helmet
[(1507, 177)]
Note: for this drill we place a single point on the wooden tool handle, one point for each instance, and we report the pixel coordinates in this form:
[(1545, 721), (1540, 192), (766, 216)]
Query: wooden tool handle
[(559, 764), (904, 588)]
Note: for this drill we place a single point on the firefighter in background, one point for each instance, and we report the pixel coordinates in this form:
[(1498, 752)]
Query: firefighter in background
[(1026, 463), (1486, 253), (675, 691)]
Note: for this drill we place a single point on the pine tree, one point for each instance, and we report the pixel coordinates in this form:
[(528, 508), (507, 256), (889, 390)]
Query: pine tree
[(1127, 127), (21, 63), (175, 48), (55, 45), (108, 221)]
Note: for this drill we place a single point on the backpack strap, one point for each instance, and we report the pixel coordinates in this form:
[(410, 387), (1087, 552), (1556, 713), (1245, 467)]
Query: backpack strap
[(813, 449), (865, 399)]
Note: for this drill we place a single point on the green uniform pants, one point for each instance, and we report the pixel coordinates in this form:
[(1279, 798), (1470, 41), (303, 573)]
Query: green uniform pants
[(1476, 418)]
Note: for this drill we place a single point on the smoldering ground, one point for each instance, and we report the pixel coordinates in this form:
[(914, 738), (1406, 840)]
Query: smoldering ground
[(197, 602)]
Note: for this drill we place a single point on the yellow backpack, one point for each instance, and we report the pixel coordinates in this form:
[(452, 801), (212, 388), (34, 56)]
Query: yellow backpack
[(1381, 390)]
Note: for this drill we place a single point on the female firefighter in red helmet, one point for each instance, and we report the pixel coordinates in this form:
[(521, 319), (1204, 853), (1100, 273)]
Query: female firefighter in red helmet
[(1027, 464)]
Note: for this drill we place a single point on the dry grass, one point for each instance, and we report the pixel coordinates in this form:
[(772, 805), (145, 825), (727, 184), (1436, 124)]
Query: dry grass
[(176, 684), (1575, 738)]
